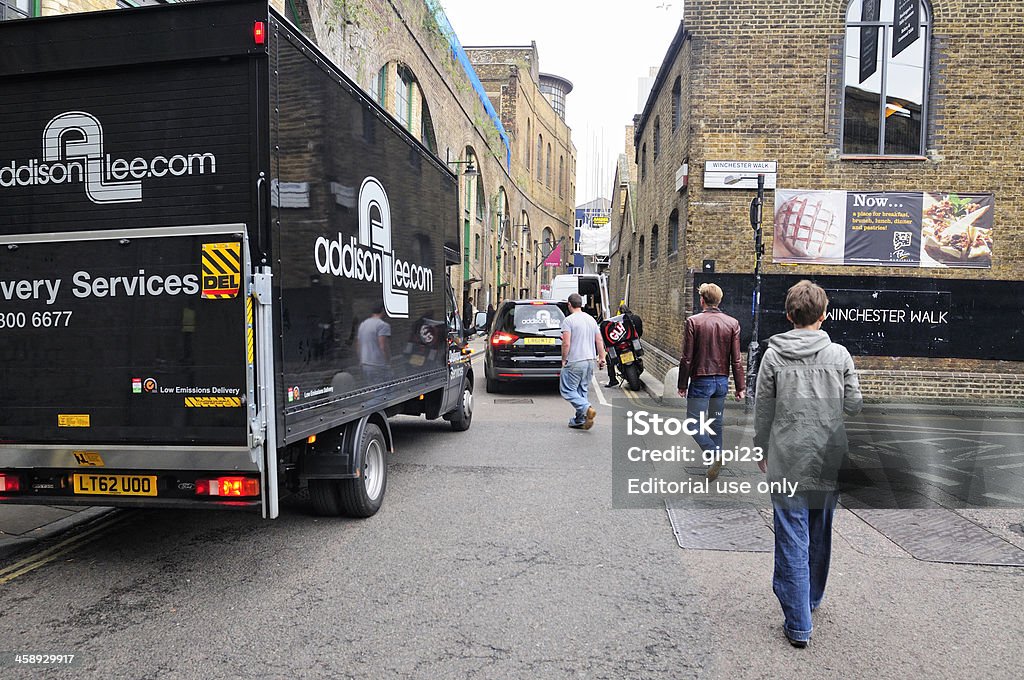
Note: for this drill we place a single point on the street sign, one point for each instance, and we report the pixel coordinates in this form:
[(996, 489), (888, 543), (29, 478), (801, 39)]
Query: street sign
[(598, 221), (739, 174)]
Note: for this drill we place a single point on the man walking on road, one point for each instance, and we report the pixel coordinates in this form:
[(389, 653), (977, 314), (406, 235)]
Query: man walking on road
[(581, 345), (710, 345), (805, 385)]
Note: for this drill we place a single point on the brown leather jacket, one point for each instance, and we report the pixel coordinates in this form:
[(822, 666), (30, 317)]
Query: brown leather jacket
[(710, 345)]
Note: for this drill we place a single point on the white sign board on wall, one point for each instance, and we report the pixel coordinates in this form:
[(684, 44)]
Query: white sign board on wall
[(739, 174)]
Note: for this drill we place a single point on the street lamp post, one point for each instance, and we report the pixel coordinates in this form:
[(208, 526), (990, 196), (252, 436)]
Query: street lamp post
[(754, 349)]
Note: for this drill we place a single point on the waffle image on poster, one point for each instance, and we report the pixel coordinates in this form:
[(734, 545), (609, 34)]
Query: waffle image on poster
[(956, 230), (810, 226)]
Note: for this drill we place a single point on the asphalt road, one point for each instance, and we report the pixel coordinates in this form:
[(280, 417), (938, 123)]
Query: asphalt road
[(496, 555)]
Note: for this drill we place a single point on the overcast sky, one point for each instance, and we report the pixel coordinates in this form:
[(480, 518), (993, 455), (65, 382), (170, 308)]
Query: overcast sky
[(603, 47)]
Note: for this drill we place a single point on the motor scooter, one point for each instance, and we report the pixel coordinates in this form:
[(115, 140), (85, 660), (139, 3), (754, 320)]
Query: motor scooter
[(622, 343)]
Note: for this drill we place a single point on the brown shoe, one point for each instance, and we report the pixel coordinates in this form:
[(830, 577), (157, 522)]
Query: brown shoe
[(589, 422), (714, 469)]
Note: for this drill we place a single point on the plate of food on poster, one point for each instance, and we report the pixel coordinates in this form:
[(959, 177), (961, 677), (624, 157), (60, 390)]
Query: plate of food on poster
[(956, 230), (809, 227)]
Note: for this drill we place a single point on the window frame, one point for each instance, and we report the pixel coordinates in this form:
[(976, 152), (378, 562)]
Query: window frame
[(887, 26)]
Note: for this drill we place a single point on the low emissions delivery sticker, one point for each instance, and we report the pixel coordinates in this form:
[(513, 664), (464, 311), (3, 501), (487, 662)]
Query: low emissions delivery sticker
[(222, 270)]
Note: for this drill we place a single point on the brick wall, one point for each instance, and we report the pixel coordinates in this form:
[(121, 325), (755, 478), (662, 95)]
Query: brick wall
[(763, 81)]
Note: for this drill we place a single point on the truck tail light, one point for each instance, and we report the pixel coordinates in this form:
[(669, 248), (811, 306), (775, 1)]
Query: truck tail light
[(232, 487), (503, 338), (9, 482), (259, 33)]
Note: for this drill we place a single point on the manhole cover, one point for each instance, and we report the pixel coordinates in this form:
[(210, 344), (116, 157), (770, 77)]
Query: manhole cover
[(940, 535), (713, 526), (513, 401)]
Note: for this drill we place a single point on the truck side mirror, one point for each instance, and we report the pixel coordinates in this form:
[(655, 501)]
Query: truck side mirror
[(480, 322)]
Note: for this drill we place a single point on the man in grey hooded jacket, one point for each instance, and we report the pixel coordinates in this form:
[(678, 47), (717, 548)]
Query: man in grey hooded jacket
[(805, 385)]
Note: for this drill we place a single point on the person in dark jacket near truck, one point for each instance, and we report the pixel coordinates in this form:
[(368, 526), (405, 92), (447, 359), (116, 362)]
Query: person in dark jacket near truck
[(711, 344), (804, 387)]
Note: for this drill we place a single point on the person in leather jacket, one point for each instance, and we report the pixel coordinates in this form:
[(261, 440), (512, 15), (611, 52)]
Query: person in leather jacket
[(711, 344)]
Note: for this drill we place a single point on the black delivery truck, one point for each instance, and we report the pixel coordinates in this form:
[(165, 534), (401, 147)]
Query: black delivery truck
[(223, 267)]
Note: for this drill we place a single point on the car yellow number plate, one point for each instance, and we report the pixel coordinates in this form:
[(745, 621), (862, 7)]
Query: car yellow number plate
[(626, 358), (115, 485), (539, 341)]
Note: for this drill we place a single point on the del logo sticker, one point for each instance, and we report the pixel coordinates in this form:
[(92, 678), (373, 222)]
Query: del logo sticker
[(222, 270)]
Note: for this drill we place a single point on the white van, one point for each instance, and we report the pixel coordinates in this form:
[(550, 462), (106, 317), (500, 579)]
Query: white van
[(593, 288)]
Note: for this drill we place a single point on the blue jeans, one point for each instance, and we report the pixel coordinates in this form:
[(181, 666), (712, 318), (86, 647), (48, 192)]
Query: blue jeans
[(705, 394), (574, 384), (803, 549)]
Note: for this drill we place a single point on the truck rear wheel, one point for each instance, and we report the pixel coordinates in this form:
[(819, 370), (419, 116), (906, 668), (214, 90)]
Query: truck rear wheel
[(363, 496), (463, 414), (359, 497)]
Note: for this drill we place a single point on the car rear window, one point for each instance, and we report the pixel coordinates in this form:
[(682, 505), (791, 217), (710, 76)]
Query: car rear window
[(536, 318)]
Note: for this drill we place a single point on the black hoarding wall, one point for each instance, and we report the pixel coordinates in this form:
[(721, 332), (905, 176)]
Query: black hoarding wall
[(913, 339), (892, 316), (361, 214)]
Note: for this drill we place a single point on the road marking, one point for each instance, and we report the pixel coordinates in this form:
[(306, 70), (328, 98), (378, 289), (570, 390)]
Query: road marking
[(993, 456), (600, 394), (1007, 467), (935, 478), (1001, 497), (48, 555)]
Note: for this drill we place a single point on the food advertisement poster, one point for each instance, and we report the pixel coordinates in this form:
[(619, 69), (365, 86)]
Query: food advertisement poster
[(905, 229)]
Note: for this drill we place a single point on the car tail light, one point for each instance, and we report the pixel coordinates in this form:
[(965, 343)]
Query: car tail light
[(259, 33), (539, 302), (503, 338), (234, 487), (9, 482)]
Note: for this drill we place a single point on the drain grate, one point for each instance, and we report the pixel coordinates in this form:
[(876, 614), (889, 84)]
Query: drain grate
[(513, 401), (940, 535), (712, 526)]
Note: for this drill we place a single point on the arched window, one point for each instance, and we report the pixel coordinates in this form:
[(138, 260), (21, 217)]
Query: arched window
[(673, 232), (427, 126), (885, 97), (657, 138), (404, 96), (640, 256), (654, 245), (677, 104), (539, 156)]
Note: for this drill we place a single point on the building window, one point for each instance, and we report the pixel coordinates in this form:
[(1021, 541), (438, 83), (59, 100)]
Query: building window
[(526, 145), (657, 138), (561, 176), (673, 232), (547, 168), (427, 127), (622, 268), (654, 245), (643, 162), (403, 97), (378, 86), (480, 199), (677, 104), (539, 156), (629, 263), (878, 61), (476, 247), (17, 9), (640, 256)]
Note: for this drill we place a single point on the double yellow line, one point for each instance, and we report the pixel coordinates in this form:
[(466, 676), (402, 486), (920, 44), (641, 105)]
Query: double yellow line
[(48, 555)]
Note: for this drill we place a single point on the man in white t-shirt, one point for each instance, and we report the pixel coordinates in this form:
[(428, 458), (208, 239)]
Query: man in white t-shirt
[(581, 346)]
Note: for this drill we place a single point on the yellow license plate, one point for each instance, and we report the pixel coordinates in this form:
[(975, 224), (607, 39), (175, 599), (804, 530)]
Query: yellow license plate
[(539, 341), (626, 357), (416, 360), (115, 485)]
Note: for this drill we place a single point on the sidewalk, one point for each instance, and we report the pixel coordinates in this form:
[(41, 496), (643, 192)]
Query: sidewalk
[(24, 526)]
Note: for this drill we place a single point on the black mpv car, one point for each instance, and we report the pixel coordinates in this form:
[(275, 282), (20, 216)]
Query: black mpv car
[(525, 342)]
